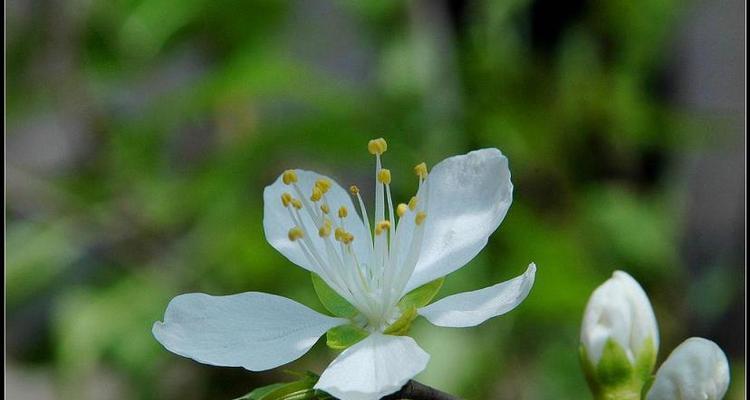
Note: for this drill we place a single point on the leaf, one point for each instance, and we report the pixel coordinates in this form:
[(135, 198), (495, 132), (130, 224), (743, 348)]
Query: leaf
[(331, 300), (344, 336), (403, 323), (422, 295), (302, 389)]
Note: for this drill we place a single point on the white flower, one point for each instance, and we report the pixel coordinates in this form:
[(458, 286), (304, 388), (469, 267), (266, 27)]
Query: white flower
[(312, 221), (619, 310), (696, 370)]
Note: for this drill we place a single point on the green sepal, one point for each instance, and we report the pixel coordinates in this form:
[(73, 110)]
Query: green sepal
[(589, 371), (422, 295), (614, 368), (401, 326), (646, 360), (331, 300), (344, 336), (301, 389)]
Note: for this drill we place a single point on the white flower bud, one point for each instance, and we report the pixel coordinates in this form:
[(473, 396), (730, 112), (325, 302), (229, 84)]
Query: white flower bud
[(696, 370), (619, 310)]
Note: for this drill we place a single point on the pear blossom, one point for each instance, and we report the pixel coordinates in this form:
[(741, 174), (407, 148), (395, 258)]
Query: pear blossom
[(619, 310), (325, 229), (696, 370)]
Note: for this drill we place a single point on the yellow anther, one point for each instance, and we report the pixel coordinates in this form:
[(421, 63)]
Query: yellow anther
[(384, 176), (401, 209), (286, 199), (413, 203), (296, 203), (421, 170), (339, 233), (353, 190), (324, 208), (324, 230), (323, 184), (381, 226), (377, 146), (420, 217), (317, 194), (347, 238), (295, 233), (343, 212), (289, 176)]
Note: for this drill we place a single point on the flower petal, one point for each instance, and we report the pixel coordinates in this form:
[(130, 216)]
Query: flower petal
[(277, 222), (696, 370), (468, 197), (375, 367), (256, 331), (472, 308)]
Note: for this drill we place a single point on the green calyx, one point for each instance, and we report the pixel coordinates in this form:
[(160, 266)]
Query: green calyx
[(342, 337), (615, 377)]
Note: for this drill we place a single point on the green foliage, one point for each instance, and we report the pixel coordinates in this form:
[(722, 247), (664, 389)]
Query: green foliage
[(614, 367), (401, 325), (302, 389), (344, 336), (422, 295), (331, 300)]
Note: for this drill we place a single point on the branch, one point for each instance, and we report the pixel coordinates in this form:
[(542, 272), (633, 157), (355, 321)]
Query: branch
[(414, 390)]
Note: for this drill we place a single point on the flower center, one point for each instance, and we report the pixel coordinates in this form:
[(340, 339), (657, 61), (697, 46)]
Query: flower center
[(372, 282)]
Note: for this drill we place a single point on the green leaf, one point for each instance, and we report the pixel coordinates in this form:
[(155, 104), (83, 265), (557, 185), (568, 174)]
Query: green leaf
[(331, 300), (341, 337), (301, 389), (614, 367), (422, 295), (402, 324)]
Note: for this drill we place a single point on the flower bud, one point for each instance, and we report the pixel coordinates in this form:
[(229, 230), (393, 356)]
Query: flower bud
[(696, 369), (619, 336)]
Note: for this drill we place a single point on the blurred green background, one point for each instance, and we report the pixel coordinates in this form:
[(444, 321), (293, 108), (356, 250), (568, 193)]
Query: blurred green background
[(141, 134)]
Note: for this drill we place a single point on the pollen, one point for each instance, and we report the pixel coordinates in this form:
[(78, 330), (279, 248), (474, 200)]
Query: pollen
[(343, 212), (413, 203), (347, 238), (324, 231), (296, 204), (339, 233), (286, 199), (377, 146), (323, 184), (295, 233), (401, 209), (420, 217), (384, 176), (381, 226), (421, 170), (317, 194), (353, 189), (289, 177), (325, 208)]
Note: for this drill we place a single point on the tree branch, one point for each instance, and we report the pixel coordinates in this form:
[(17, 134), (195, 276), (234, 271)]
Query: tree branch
[(414, 390)]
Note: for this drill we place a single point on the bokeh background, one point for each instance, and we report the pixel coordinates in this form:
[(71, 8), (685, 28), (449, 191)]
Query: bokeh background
[(140, 135)]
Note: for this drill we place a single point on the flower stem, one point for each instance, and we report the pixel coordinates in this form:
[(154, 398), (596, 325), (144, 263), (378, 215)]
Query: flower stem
[(414, 390)]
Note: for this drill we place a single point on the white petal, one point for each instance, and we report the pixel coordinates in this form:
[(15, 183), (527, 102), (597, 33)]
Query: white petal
[(696, 370), (277, 222), (618, 309), (473, 308), (375, 367), (468, 198), (256, 331)]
